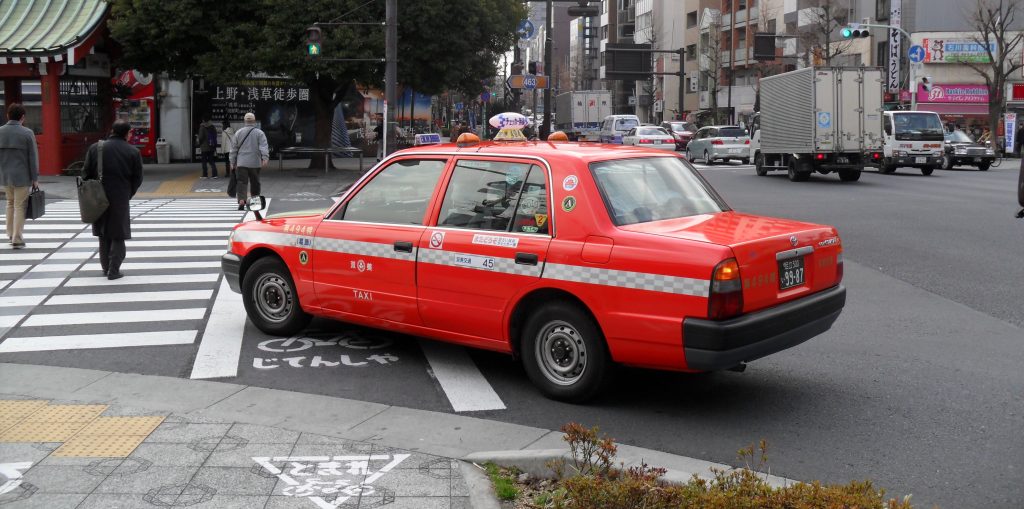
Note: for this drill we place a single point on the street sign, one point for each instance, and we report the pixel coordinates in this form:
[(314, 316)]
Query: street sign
[(527, 81), (526, 30), (916, 54)]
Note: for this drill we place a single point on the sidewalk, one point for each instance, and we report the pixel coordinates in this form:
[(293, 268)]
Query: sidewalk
[(142, 441), (182, 180)]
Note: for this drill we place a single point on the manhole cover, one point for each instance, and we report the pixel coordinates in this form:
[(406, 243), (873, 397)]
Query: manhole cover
[(179, 495)]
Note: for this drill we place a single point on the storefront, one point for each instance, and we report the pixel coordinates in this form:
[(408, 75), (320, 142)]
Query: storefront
[(961, 105)]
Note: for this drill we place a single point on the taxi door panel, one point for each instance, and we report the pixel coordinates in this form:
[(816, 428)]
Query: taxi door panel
[(365, 253), (472, 263)]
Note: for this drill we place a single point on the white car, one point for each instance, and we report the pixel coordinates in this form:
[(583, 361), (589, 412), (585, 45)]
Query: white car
[(649, 137), (724, 143)]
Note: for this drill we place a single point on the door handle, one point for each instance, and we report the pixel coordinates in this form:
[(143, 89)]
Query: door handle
[(526, 259), (403, 247)]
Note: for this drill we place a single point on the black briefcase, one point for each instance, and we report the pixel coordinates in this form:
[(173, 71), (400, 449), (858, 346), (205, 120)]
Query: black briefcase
[(36, 206)]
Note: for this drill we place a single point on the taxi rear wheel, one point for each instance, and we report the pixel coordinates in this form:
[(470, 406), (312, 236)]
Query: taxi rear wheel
[(271, 301), (564, 353)]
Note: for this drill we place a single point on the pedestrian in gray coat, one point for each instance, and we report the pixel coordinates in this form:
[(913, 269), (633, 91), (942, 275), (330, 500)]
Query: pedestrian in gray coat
[(122, 176), (19, 170), (249, 153)]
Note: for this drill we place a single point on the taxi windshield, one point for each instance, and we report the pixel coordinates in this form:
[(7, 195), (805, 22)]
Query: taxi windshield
[(652, 189)]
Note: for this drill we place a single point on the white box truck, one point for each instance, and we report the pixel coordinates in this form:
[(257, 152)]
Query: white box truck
[(580, 113), (819, 119)]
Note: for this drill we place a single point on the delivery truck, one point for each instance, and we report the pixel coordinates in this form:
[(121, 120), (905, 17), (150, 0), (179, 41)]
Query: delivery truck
[(819, 119), (580, 113)]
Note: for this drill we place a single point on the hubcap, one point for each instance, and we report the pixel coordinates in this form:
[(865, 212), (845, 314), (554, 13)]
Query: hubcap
[(561, 353), (273, 298)]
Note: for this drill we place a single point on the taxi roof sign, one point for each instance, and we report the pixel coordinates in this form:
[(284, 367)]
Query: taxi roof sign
[(467, 139), (510, 126)]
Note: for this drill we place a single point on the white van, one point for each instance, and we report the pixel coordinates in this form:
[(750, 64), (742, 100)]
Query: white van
[(914, 139), (614, 126)]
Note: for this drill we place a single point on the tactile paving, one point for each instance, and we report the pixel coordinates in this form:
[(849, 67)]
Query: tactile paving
[(99, 446), (122, 425), (26, 431), (66, 413)]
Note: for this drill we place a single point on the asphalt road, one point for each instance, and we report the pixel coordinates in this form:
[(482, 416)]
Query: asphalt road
[(916, 387)]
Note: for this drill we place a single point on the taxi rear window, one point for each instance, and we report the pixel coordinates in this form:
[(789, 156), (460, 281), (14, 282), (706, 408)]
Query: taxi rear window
[(652, 189)]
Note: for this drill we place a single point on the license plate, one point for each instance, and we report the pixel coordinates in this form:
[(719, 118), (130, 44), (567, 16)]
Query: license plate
[(735, 150), (977, 159), (920, 160), (843, 160), (791, 272)]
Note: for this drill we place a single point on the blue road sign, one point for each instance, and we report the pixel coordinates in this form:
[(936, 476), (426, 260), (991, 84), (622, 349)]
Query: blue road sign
[(916, 54), (526, 30)]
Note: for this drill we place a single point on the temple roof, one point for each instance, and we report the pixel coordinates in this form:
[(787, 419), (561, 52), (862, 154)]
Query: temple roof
[(43, 30)]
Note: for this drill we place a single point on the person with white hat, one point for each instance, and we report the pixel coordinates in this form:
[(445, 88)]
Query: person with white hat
[(249, 152)]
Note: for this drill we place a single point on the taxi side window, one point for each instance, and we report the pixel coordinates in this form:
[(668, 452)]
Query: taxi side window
[(398, 194), (496, 196)]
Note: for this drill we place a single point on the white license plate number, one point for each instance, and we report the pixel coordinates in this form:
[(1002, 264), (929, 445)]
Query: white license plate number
[(843, 160), (791, 272), (977, 159), (920, 160), (735, 150)]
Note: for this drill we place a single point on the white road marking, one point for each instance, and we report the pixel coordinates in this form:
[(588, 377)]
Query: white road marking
[(208, 233), (221, 344), (198, 221), (192, 253), (34, 245), (25, 256), (90, 298), (106, 317), (13, 269), (72, 255), (46, 343), (20, 300), (54, 267), (156, 243), (158, 265), (180, 226), (43, 282), (82, 281), (461, 380), (8, 321)]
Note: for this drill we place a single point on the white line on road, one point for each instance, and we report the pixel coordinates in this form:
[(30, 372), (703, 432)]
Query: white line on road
[(178, 254), (43, 282), (148, 235), (90, 298), (25, 256), (82, 281), (107, 317), (189, 227), (157, 243), (55, 267), (157, 265), (465, 386), (21, 300), (221, 344), (35, 245), (46, 343), (13, 269)]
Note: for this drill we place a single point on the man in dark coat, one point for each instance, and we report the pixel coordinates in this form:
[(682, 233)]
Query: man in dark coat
[(121, 177)]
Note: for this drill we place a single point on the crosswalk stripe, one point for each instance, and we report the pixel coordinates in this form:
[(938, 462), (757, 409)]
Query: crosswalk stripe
[(54, 267), (13, 269), (46, 343), (158, 265), (35, 245), (92, 298), (176, 254), (183, 226), (25, 256), (156, 243), (42, 282), (111, 317), (149, 235), (20, 300), (80, 282)]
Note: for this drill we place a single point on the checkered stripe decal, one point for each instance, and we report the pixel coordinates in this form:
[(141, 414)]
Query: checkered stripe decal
[(261, 237), (362, 248), (625, 279), (504, 265)]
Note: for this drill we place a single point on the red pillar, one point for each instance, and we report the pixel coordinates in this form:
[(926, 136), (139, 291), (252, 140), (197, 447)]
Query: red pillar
[(50, 161)]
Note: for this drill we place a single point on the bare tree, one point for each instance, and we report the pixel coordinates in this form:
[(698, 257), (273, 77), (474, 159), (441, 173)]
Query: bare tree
[(710, 59), (821, 23), (994, 23), (649, 86)]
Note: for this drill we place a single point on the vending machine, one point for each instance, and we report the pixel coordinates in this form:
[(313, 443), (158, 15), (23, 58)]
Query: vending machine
[(134, 101)]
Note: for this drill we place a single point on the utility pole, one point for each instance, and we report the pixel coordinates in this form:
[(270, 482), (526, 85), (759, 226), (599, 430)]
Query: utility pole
[(390, 71), (548, 42)]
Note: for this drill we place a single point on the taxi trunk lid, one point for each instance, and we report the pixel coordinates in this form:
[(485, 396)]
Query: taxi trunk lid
[(780, 260)]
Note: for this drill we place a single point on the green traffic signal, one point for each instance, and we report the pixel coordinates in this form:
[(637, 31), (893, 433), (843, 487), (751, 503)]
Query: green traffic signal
[(847, 32), (313, 49)]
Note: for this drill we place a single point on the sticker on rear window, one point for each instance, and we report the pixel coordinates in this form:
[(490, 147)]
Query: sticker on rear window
[(495, 240)]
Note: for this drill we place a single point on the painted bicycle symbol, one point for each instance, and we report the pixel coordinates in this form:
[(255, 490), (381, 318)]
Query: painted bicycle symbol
[(306, 341)]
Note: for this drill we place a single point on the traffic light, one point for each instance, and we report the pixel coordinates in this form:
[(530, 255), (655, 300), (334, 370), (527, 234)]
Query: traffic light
[(585, 10), (855, 31), (531, 68), (926, 83), (313, 41)]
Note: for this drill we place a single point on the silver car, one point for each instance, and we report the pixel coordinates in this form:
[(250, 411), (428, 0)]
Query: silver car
[(719, 143)]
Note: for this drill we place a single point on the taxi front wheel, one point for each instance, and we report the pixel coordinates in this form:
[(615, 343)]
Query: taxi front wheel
[(271, 300), (564, 353)]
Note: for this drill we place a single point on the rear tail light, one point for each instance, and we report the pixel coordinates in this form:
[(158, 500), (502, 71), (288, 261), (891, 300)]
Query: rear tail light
[(746, 142), (876, 155), (645, 140), (726, 299), (839, 268), (820, 157), (718, 142)]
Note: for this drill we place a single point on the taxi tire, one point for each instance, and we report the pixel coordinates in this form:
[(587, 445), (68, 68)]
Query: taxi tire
[(296, 320), (597, 371)]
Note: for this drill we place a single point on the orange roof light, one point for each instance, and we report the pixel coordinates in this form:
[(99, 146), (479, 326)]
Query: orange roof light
[(467, 140), (558, 136)]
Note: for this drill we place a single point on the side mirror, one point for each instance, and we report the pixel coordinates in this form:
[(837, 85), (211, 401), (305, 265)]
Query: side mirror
[(255, 205)]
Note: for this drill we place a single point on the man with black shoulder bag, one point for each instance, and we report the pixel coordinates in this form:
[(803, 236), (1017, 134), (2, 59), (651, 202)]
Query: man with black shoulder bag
[(248, 155)]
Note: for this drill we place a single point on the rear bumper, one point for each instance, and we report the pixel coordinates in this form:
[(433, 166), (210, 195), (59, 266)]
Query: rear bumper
[(231, 264), (723, 153), (712, 346)]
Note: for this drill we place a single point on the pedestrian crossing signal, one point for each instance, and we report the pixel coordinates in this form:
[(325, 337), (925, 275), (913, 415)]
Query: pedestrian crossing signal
[(313, 41), (313, 49)]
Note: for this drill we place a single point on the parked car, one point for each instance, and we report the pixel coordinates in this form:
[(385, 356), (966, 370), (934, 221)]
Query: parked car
[(552, 252), (961, 150), (719, 143), (614, 126), (650, 137), (681, 131)]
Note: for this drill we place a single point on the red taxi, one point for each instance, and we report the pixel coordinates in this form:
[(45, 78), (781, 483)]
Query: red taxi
[(572, 257)]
